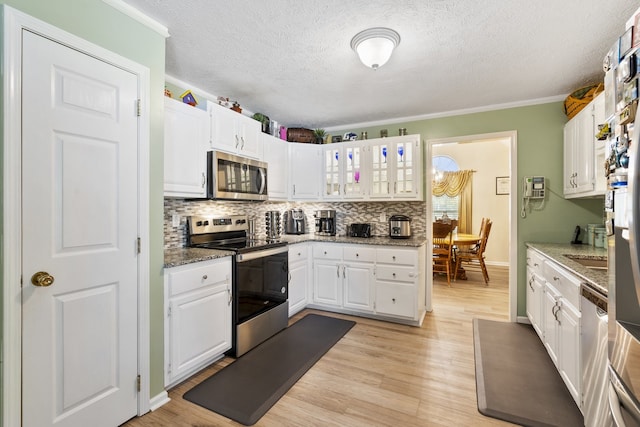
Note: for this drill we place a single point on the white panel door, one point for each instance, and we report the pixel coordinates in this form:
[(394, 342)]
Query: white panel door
[(80, 225)]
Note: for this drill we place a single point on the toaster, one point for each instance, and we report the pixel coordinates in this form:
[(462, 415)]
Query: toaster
[(360, 230)]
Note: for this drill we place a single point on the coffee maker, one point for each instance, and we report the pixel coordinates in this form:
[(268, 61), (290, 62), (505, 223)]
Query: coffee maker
[(325, 222), (294, 221)]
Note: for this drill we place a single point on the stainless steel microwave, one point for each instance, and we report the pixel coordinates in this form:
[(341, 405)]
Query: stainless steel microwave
[(233, 177)]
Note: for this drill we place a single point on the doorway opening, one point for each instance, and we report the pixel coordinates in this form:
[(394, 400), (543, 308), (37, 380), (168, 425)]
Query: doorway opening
[(492, 158)]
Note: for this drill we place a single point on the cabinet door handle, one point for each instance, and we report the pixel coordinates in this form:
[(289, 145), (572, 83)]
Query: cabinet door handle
[(531, 281), (289, 277), (242, 139), (204, 277), (556, 278), (338, 271), (294, 189), (344, 271), (204, 180), (229, 293), (237, 141), (357, 255), (393, 257)]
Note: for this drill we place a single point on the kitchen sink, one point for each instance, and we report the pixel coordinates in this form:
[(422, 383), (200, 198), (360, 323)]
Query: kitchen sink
[(592, 263)]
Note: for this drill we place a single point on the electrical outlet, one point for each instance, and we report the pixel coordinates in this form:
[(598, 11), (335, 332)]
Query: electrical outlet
[(175, 220), (383, 217)]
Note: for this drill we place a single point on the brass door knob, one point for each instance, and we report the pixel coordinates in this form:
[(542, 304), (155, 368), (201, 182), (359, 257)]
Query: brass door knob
[(42, 278)]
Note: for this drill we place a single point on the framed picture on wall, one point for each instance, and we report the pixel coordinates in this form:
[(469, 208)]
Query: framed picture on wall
[(502, 185)]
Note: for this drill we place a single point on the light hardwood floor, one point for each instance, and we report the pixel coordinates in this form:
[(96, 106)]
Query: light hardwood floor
[(379, 373)]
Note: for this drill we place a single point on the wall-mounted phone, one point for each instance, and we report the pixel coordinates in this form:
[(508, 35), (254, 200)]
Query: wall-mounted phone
[(533, 187)]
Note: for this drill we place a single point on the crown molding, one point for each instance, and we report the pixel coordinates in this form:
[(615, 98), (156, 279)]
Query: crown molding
[(451, 113), (134, 13)]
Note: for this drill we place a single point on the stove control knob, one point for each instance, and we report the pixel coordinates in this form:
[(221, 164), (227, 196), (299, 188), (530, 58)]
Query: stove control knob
[(199, 223), (283, 290)]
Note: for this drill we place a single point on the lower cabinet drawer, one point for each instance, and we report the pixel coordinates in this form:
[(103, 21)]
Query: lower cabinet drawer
[(395, 273), (396, 299), (194, 276)]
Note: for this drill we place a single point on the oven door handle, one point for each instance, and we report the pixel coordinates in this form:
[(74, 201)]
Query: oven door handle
[(261, 254), (619, 396)]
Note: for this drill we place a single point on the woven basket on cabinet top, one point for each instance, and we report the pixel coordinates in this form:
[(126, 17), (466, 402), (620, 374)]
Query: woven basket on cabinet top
[(300, 135), (579, 99)]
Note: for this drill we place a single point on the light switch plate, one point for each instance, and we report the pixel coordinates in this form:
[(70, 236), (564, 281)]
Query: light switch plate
[(175, 220)]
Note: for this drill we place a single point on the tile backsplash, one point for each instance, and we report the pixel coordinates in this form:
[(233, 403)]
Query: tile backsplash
[(346, 213)]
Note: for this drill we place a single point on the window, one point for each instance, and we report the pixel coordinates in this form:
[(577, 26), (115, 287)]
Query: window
[(444, 204)]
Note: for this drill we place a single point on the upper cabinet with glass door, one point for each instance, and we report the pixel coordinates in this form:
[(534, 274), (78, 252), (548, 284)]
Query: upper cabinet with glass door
[(395, 168), (344, 178)]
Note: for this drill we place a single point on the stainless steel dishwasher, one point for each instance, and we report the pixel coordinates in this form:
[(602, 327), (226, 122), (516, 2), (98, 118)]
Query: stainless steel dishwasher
[(595, 378)]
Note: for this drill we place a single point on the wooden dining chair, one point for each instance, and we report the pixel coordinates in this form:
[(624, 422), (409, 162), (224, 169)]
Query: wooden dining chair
[(442, 249), (474, 257)]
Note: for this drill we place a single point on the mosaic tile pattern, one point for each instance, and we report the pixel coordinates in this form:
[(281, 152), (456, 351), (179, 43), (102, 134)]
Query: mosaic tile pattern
[(346, 213)]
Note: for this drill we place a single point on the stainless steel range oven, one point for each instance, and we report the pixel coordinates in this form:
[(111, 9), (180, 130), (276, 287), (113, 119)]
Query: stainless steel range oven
[(260, 277)]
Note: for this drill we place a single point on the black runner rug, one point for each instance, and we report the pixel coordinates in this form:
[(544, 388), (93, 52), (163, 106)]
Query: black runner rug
[(246, 389)]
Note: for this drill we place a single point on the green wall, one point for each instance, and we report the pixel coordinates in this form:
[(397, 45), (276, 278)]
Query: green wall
[(99, 23), (539, 152)]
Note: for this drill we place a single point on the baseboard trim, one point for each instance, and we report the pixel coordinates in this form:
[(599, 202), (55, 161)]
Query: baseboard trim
[(523, 319), (159, 400)]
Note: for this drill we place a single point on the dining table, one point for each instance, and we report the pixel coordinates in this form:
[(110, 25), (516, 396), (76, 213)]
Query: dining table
[(458, 240)]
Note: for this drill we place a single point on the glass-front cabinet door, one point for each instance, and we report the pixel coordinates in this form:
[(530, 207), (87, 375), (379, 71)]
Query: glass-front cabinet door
[(396, 168), (352, 173), (379, 169), (343, 174), (404, 184), (332, 182)]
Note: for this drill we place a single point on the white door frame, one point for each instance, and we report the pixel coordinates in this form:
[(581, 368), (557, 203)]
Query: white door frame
[(14, 23), (513, 207)]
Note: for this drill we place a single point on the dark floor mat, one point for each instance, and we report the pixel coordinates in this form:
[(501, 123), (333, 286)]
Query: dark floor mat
[(246, 389), (516, 380)]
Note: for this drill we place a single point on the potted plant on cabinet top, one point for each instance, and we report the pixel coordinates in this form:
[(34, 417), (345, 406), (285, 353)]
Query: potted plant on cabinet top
[(264, 120), (319, 134)]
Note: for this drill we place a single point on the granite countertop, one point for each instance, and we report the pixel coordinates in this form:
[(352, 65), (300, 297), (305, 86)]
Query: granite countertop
[(414, 241), (182, 256), (597, 279)]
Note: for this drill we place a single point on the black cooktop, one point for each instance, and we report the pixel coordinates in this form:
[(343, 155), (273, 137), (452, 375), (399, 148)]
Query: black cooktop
[(241, 246)]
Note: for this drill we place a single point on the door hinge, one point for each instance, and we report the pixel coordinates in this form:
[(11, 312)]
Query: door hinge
[(139, 245), (168, 368), (138, 383), (138, 107), (169, 311)]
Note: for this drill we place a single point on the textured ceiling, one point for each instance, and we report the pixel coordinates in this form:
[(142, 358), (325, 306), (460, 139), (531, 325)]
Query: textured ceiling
[(291, 59)]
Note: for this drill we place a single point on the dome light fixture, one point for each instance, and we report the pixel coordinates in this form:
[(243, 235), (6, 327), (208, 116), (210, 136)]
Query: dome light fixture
[(375, 45)]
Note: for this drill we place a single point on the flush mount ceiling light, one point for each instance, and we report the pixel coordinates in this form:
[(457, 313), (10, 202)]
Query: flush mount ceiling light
[(375, 45)]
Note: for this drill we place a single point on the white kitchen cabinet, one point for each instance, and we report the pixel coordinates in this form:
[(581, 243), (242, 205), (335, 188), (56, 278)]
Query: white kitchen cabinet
[(550, 330), (583, 153), (198, 316), (560, 318), (299, 275), (535, 290), (186, 135), (343, 276), (343, 171), (305, 171), (394, 167), (233, 132), (327, 281), (569, 348), (357, 273), (275, 154), (399, 290)]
